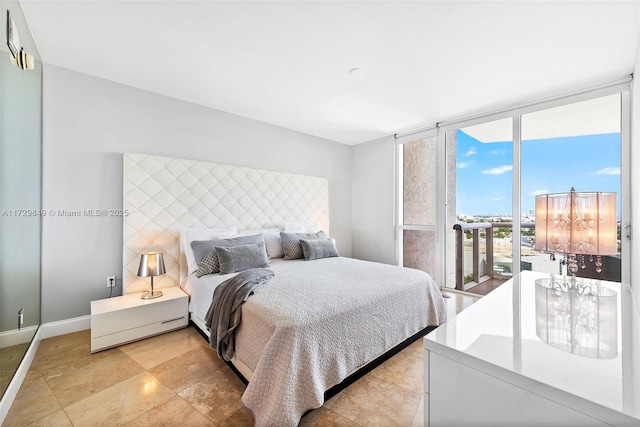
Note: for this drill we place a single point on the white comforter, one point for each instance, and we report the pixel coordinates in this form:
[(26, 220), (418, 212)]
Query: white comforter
[(318, 321)]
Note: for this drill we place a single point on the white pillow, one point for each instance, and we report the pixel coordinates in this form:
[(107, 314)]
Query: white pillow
[(188, 235), (301, 227), (271, 240)]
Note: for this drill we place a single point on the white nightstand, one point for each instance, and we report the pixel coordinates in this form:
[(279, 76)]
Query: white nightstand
[(120, 320)]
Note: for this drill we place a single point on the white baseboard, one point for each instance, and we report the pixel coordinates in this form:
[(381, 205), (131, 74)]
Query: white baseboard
[(19, 376), (67, 326), (17, 336)]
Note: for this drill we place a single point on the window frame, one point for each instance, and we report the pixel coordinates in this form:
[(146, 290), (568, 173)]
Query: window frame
[(621, 86)]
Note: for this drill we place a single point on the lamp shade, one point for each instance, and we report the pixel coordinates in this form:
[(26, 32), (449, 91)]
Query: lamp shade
[(577, 223), (151, 264)]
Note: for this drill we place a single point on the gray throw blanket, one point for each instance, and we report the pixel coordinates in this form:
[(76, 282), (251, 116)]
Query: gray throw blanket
[(225, 313)]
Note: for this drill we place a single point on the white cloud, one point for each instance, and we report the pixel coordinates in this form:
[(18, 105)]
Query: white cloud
[(464, 165), (498, 171), (471, 151), (497, 199), (539, 192), (608, 171)]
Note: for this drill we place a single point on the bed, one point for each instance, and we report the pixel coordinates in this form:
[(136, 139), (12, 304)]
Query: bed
[(316, 323)]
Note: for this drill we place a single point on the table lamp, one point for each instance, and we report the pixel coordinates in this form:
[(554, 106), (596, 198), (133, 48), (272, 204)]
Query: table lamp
[(577, 224), (151, 264)]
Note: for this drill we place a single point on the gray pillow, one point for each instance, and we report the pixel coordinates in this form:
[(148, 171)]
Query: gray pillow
[(204, 251), (291, 243), (318, 249), (242, 257)]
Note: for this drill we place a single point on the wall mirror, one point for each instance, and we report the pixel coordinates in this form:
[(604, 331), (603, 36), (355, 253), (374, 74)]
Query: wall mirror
[(20, 189)]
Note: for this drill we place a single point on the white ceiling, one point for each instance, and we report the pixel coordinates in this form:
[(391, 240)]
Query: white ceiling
[(287, 63)]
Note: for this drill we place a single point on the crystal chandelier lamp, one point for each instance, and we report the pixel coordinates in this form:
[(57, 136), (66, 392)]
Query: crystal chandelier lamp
[(579, 225)]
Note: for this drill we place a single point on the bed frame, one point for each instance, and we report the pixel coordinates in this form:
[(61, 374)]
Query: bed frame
[(351, 378)]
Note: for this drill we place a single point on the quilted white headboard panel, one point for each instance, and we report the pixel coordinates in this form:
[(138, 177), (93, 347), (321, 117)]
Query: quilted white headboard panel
[(164, 195)]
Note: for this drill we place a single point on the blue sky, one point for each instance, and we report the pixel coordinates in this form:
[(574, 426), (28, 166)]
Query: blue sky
[(484, 170)]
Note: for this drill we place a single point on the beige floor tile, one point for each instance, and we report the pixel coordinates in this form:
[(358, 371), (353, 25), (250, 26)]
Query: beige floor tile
[(32, 378), (218, 399), (404, 370), (80, 383), (457, 302), (329, 403), (56, 357), (181, 372), (57, 419), (64, 343), (416, 349), (418, 419), (324, 417), (241, 418), (192, 332), (175, 412), (373, 402), (159, 349), (31, 404), (120, 403)]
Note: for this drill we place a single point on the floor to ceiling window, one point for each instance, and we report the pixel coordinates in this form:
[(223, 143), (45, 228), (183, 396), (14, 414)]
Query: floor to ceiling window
[(482, 232), (578, 146), (468, 191)]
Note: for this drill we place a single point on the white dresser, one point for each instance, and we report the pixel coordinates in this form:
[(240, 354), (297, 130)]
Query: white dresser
[(490, 365), (119, 320)]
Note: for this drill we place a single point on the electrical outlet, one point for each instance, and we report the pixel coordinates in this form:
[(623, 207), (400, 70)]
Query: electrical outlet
[(111, 281), (20, 317)]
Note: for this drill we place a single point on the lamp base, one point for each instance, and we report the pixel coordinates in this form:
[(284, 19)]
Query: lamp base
[(151, 294)]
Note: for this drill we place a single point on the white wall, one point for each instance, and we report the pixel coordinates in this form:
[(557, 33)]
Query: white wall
[(373, 180), (89, 122)]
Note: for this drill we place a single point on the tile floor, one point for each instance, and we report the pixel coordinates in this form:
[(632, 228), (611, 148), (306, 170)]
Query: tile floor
[(176, 379)]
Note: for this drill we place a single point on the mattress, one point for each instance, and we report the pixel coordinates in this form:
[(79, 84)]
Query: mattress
[(316, 322)]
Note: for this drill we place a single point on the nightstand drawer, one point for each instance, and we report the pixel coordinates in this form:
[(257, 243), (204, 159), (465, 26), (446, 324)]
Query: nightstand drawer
[(130, 335), (134, 317), (120, 320)]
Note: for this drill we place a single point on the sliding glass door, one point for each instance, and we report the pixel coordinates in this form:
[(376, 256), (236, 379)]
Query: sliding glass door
[(481, 233), (578, 146), (467, 190)]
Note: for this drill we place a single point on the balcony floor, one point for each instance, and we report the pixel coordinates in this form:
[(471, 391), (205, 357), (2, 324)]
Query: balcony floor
[(485, 287)]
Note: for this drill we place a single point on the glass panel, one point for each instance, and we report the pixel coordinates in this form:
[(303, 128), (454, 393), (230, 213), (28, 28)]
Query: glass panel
[(502, 250), (576, 145), (482, 253), (467, 266), (479, 189), (419, 182), (420, 250)]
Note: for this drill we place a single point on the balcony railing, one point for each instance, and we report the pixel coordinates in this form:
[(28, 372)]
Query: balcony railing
[(475, 244), (478, 274), (484, 266)]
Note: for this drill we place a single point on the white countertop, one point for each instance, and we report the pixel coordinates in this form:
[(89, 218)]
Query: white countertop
[(498, 335)]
